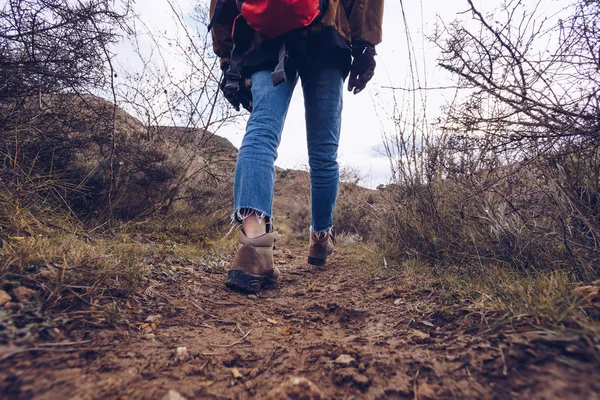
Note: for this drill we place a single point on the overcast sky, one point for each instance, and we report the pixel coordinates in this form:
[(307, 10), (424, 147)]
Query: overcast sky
[(366, 116)]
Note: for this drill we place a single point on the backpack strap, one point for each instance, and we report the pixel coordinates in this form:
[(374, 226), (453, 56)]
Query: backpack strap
[(278, 75), (241, 36), (217, 13), (349, 8)]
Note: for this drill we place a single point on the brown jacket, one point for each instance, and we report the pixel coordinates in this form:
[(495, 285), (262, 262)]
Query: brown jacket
[(363, 24)]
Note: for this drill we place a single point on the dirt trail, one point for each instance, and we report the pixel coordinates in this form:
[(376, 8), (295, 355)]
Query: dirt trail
[(301, 329)]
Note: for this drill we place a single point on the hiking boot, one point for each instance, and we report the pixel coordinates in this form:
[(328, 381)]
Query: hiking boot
[(252, 268), (321, 246)]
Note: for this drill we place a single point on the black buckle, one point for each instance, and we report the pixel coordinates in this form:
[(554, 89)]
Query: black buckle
[(233, 75), (232, 84)]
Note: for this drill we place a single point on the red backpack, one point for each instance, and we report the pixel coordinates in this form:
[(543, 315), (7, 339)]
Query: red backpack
[(274, 18)]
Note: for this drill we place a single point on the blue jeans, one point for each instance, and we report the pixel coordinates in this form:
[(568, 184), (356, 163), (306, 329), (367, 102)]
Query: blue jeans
[(255, 169)]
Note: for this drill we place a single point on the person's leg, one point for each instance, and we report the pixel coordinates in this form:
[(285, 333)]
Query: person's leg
[(255, 167), (323, 90), (252, 267)]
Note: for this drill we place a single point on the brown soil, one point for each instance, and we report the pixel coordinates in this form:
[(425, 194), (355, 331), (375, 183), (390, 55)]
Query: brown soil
[(240, 346)]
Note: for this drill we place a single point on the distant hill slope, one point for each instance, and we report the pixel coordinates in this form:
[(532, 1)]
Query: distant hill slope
[(140, 170)]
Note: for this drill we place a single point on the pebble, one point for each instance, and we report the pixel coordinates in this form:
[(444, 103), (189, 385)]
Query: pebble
[(23, 294), (360, 380), (426, 392), (173, 395), (4, 297), (419, 334), (182, 354), (296, 388), (345, 360), (253, 297), (154, 318)]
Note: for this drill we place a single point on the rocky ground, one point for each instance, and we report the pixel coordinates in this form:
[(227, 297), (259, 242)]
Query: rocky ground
[(332, 333)]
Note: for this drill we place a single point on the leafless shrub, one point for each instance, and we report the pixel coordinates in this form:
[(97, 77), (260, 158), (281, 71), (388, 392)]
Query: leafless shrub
[(49, 46), (355, 207), (48, 49), (510, 176), (94, 158), (175, 93)]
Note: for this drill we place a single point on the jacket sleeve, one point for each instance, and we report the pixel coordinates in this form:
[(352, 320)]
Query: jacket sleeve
[(222, 26), (366, 20)]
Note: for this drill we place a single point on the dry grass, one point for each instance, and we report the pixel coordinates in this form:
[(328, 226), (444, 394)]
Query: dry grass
[(365, 257), (499, 298), (82, 276), (66, 267)]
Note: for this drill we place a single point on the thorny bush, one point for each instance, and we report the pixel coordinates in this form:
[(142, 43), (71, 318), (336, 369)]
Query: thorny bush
[(510, 177)]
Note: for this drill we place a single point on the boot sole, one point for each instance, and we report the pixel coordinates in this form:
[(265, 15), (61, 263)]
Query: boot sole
[(246, 282), (317, 262)]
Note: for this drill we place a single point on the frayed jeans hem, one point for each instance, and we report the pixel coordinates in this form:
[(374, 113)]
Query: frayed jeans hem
[(241, 213), (321, 231)]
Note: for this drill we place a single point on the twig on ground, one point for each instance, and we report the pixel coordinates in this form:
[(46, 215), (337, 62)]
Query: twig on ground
[(203, 310), (63, 344), (504, 366), (233, 344), (44, 347), (415, 386), (204, 365), (238, 327)]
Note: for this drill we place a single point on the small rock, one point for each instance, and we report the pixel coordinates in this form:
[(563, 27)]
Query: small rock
[(254, 373), (296, 388), (154, 318), (23, 294), (415, 333), (360, 380), (343, 375), (9, 305), (4, 297), (345, 360), (397, 302), (426, 392), (253, 297), (182, 354), (173, 395)]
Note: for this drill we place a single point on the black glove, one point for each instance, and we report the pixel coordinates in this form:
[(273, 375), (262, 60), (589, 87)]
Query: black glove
[(240, 95), (363, 66)]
